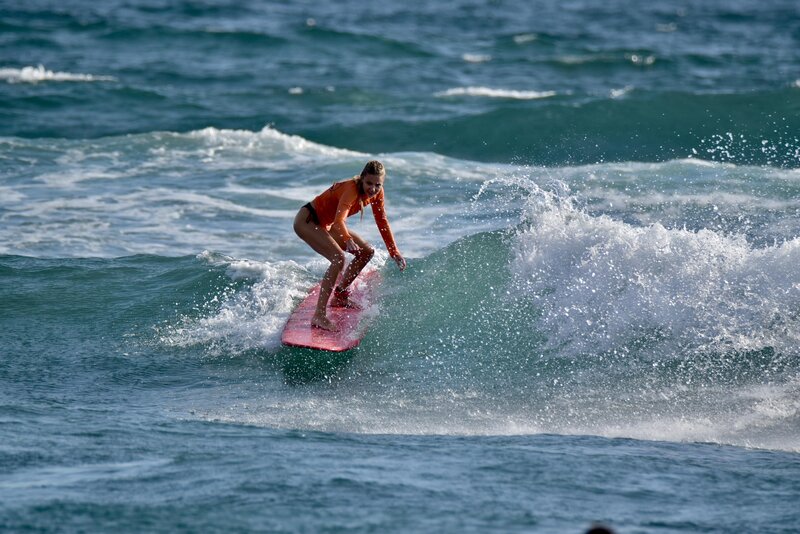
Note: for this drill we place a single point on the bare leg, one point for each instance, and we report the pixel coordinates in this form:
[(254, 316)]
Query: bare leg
[(321, 241), (320, 318), (360, 261)]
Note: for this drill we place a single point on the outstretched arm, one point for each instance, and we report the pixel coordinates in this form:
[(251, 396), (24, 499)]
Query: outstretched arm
[(379, 212)]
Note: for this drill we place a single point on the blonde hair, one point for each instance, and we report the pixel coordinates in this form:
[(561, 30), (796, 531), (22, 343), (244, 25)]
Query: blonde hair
[(373, 167)]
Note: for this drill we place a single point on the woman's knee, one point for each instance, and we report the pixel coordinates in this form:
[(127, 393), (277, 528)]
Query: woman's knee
[(366, 253), (337, 260)]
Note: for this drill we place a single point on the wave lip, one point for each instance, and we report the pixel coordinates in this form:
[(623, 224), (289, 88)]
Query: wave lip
[(41, 74)]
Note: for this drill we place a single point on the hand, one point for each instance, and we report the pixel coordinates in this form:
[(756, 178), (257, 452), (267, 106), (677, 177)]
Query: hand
[(351, 247), (400, 261)]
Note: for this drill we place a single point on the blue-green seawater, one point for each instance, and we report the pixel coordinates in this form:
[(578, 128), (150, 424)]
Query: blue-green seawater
[(600, 320)]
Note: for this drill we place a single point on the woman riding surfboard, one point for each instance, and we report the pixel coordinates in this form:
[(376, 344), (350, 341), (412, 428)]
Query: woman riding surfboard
[(321, 224)]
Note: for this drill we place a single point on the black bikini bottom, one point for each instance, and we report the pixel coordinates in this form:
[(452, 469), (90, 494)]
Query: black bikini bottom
[(312, 214)]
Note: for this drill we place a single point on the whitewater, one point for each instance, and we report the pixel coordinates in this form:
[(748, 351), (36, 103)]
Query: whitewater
[(600, 317)]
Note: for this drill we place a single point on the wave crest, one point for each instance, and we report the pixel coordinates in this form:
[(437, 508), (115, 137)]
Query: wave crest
[(605, 285)]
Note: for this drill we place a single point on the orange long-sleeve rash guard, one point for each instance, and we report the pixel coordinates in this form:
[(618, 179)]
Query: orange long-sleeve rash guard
[(340, 201)]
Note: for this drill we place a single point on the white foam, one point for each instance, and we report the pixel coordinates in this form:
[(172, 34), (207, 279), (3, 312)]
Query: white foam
[(222, 149), (619, 93), (604, 284), (759, 416), (41, 74), (578, 60), (236, 191), (297, 193), (525, 38), (266, 141), (11, 195), (476, 58), (251, 318), (488, 92), (764, 417), (641, 60)]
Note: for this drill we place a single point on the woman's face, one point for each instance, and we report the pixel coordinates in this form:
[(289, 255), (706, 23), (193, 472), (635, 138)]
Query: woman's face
[(372, 184)]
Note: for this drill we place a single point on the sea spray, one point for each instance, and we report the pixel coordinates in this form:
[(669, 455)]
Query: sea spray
[(242, 317), (604, 284)]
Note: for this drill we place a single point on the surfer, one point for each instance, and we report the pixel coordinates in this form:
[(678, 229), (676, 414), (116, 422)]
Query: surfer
[(321, 224)]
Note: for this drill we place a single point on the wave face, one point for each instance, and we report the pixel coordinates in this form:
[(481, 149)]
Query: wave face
[(653, 301), (565, 324)]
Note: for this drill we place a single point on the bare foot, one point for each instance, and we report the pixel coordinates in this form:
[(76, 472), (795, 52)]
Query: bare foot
[(324, 323), (339, 302)]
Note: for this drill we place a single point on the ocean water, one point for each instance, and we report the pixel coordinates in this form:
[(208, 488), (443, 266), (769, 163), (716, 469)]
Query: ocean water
[(600, 321)]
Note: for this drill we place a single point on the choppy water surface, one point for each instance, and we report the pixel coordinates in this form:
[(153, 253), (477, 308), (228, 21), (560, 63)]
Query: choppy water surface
[(599, 321)]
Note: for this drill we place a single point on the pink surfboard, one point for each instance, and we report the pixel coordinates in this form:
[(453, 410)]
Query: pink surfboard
[(298, 331)]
